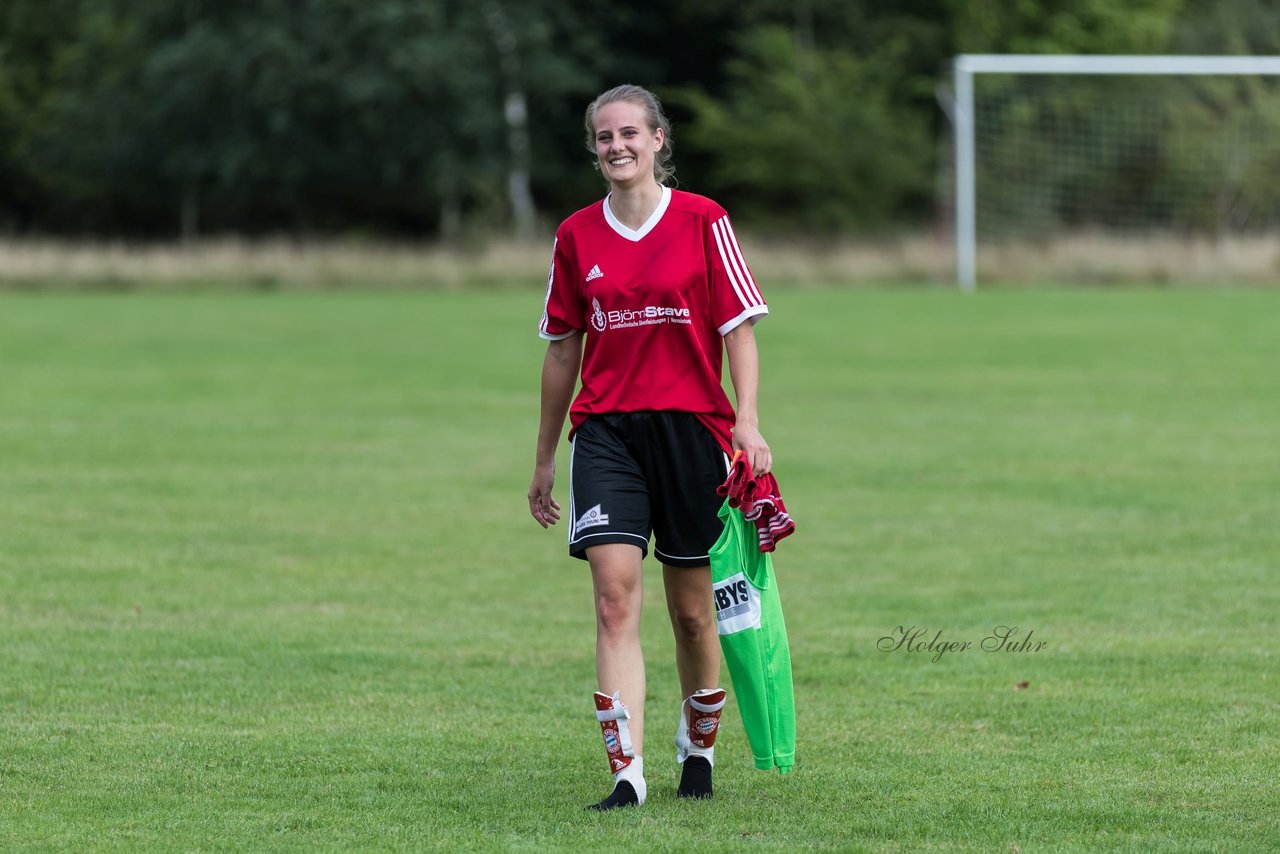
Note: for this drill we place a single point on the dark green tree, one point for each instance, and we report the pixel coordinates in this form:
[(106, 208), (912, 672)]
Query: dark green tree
[(811, 139)]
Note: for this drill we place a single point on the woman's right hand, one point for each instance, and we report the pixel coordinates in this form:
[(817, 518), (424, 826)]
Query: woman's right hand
[(544, 509)]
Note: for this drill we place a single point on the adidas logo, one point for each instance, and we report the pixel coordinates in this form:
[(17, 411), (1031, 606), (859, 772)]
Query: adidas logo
[(595, 273)]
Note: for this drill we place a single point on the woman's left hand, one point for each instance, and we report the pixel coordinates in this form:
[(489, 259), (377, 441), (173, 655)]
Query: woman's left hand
[(747, 438)]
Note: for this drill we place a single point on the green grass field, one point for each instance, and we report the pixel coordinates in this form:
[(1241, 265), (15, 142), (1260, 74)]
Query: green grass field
[(268, 581)]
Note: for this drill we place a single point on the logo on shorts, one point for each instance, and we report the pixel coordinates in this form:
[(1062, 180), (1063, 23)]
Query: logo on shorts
[(591, 519), (598, 320)]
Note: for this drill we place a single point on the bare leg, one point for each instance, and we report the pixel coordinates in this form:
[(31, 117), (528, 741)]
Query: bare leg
[(693, 621), (616, 576), (697, 660)]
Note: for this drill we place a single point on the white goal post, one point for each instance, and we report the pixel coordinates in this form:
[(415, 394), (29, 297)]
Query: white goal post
[(963, 115)]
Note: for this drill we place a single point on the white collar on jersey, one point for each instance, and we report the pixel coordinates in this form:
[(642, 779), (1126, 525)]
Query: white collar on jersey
[(634, 234)]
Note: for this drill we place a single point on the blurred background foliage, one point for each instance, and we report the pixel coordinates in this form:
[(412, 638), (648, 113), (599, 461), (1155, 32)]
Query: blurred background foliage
[(444, 118)]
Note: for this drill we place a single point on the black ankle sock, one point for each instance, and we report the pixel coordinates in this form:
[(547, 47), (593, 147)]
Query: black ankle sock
[(623, 795), (695, 778)]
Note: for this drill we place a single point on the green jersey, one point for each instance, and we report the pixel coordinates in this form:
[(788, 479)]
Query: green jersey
[(753, 638)]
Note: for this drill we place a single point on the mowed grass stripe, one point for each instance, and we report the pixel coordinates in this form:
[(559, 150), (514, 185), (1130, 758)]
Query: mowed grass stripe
[(267, 579)]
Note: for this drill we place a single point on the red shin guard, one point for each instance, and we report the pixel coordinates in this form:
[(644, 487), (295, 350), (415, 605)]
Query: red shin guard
[(699, 723), (613, 716), (703, 711)]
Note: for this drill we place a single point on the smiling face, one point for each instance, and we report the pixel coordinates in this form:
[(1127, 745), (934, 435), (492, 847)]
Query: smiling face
[(625, 144)]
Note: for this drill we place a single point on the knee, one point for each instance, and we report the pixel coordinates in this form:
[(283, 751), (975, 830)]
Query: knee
[(616, 613), (693, 625)]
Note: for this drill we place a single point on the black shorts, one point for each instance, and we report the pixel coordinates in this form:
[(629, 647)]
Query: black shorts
[(632, 473)]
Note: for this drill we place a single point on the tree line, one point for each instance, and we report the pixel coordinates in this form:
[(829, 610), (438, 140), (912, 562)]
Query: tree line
[(447, 118)]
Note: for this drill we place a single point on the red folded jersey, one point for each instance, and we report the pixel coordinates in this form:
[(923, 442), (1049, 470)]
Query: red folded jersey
[(760, 500)]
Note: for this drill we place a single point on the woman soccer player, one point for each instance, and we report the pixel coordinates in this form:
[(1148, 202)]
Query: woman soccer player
[(652, 278)]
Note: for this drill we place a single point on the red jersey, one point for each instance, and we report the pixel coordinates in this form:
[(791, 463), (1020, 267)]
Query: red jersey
[(654, 303)]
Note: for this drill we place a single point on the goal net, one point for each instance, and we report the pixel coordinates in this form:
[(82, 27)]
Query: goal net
[(1078, 172)]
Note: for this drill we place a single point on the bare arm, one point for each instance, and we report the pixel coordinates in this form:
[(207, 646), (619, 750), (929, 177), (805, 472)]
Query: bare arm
[(559, 376), (744, 372)]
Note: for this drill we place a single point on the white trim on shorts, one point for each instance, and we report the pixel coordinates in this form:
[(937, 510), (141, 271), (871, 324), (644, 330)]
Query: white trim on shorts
[(659, 555), (644, 540), (573, 446)]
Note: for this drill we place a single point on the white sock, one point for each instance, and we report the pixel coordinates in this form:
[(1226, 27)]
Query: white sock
[(634, 774), (707, 753)]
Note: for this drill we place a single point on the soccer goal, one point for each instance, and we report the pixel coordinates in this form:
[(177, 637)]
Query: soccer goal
[(1102, 168)]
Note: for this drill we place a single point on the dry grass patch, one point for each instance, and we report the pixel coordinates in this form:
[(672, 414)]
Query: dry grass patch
[(271, 264)]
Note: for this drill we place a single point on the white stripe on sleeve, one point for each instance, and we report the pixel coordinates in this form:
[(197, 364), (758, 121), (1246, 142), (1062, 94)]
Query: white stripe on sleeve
[(733, 240), (729, 267), (542, 324)]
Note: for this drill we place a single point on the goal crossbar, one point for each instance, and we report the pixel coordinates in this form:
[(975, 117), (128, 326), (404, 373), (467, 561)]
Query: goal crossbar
[(965, 66), (1026, 63)]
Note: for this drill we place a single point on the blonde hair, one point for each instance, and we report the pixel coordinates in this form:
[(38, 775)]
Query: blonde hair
[(643, 98)]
